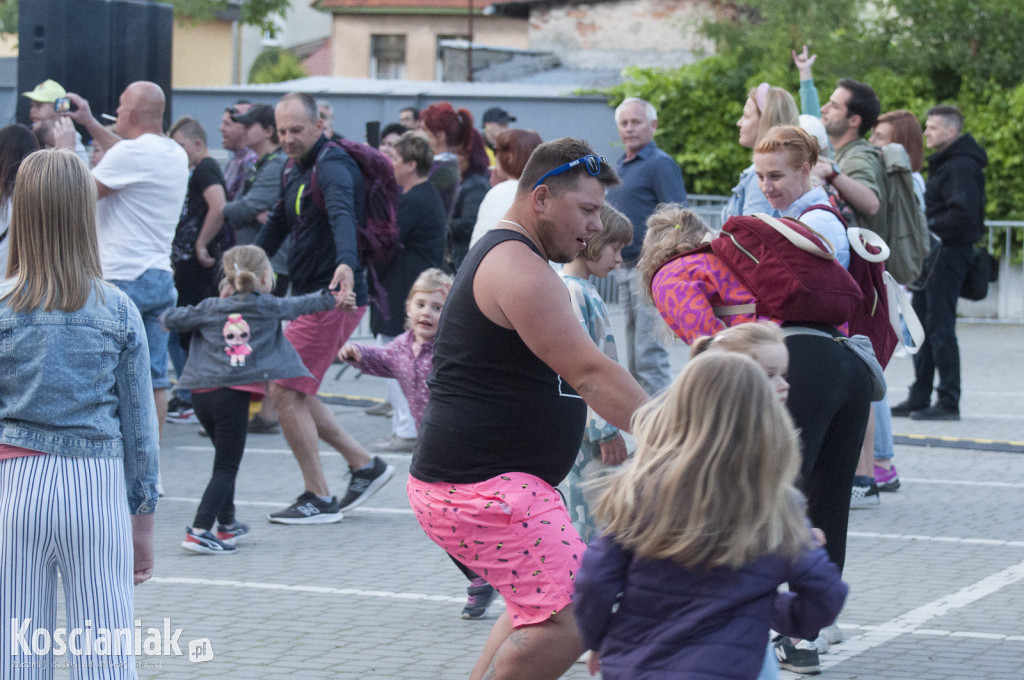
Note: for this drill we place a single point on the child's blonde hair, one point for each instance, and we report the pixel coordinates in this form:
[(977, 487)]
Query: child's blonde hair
[(615, 228), (742, 338), (244, 266), (430, 281), (671, 231), (712, 482)]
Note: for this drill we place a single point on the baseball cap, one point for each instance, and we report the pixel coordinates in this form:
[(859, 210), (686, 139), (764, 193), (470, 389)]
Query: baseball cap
[(258, 113), (46, 91), (496, 115)]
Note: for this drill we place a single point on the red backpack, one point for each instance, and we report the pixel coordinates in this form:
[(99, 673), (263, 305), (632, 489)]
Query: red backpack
[(871, 313), (377, 234), (789, 268)]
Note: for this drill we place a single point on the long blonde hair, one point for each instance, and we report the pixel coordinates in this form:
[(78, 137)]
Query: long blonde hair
[(712, 484), (671, 231), (54, 257)]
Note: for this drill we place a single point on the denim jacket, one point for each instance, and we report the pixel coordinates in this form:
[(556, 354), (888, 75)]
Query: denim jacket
[(78, 384)]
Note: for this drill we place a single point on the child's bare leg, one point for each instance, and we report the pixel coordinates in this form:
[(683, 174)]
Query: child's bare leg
[(543, 651)]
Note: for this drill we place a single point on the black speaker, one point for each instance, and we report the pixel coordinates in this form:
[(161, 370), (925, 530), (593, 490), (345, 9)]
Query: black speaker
[(94, 48)]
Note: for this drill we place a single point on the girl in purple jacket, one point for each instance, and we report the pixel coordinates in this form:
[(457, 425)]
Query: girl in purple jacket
[(702, 529)]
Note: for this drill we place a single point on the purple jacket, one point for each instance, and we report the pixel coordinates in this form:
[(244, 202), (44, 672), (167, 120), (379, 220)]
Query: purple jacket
[(399, 360), (675, 623)]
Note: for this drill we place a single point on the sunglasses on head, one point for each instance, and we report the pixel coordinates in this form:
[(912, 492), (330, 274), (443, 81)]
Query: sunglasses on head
[(591, 162)]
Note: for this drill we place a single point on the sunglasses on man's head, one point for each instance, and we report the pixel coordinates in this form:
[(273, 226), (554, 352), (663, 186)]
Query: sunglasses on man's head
[(591, 162)]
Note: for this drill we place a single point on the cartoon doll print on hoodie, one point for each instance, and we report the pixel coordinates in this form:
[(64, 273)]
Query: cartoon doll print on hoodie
[(236, 335)]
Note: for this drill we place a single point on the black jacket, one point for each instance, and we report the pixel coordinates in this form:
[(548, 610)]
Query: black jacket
[(955, 193), (323, 238)]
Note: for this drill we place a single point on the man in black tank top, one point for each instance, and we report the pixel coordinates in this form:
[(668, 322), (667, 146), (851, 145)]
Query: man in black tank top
[(512, 368)]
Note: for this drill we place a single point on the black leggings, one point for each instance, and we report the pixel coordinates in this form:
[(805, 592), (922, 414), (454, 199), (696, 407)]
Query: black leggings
[(224, 414), (829, 399)]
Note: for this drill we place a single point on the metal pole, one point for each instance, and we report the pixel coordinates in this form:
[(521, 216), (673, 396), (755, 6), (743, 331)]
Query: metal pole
[(469, 51)]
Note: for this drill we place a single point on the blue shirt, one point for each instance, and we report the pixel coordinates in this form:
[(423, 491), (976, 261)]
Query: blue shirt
[(648, 179), (746, 198), (78, 384)]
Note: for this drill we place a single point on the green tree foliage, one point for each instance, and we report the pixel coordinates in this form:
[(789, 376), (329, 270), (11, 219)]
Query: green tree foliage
[(954, 42), (276, 65)]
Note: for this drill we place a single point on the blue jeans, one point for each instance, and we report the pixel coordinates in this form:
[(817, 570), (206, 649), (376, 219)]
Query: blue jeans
[(178, 358), (883, 428), (770, 668), (153, 293), (647, 357)]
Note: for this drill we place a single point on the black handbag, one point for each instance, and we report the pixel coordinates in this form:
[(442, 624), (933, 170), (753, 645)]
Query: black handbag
[(984, 270)]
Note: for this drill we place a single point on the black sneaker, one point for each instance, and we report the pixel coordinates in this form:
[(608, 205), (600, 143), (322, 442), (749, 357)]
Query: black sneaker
[(365, 483), (481, 593), (905, 408), (865, 492), (937, 412), (803, 661), (232, 533), (180, 411), (308, 509), (205, 543)]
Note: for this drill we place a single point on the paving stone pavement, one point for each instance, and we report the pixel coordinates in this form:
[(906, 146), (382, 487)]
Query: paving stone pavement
[(936, 571)]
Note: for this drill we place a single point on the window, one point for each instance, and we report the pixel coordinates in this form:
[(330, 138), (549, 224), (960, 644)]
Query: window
[(387, 57)]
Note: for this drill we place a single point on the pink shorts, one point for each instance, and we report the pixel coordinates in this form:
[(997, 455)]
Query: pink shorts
[(317, 338), (512, 530)]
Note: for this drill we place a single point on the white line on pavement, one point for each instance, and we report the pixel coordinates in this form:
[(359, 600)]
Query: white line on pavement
[(319, 590), (938, 539), (283, 504), (964, 482), (913, 620)]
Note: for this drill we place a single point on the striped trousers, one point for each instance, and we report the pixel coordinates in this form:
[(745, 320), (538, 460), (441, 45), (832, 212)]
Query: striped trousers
[(67, 516)]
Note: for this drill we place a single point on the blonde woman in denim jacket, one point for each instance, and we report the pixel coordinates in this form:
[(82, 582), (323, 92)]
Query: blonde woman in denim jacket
[(78, 434)]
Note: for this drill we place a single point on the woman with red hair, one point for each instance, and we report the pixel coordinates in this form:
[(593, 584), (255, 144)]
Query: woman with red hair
[(448, 131), (512, 149)]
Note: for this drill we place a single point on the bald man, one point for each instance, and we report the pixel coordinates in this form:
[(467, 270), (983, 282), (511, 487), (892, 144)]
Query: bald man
[(141, 183)]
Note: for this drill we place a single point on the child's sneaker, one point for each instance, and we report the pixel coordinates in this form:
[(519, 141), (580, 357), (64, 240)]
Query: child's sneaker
[(801, 660), (179, 411), (887, 480), (205, 543), (481, 593), (865, 493), (232, 533)]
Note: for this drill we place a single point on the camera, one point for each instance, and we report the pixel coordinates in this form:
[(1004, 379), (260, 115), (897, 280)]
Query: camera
[(62, 104)]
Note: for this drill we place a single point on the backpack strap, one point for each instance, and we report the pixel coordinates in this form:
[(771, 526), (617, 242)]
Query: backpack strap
[(798, 239), (733, 310)]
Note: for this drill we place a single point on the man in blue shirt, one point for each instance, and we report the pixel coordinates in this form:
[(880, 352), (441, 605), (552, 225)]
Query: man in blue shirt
[(649, 177)]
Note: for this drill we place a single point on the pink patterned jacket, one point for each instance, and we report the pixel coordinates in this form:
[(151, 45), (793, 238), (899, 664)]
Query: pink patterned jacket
[(687, 289)]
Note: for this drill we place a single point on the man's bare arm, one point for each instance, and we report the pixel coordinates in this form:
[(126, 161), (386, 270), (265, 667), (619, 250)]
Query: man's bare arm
[(860, 196), (537, 307)]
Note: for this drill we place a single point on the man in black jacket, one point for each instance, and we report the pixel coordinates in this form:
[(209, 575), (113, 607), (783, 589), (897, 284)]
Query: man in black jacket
[(955, 208), (324, 254)]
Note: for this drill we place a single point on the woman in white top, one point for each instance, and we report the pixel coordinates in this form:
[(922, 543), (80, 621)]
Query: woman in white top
[(16, 142), (512, 149)]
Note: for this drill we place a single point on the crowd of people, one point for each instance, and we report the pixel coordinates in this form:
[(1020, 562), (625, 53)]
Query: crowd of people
[(746, 464)]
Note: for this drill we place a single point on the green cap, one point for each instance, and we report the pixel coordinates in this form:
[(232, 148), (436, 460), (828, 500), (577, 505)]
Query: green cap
[(46, 91)]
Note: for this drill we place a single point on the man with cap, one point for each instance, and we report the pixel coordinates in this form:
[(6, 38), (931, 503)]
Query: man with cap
[(41, 109), (496, 121), (232, 137)]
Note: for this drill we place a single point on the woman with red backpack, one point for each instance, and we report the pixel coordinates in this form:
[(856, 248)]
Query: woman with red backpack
[(831, 388)]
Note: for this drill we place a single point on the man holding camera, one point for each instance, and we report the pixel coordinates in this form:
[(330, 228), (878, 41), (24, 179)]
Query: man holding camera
[(44, 102)]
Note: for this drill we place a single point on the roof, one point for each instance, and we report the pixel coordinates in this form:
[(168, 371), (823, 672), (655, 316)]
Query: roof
[(411, 89), (401, 6)]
